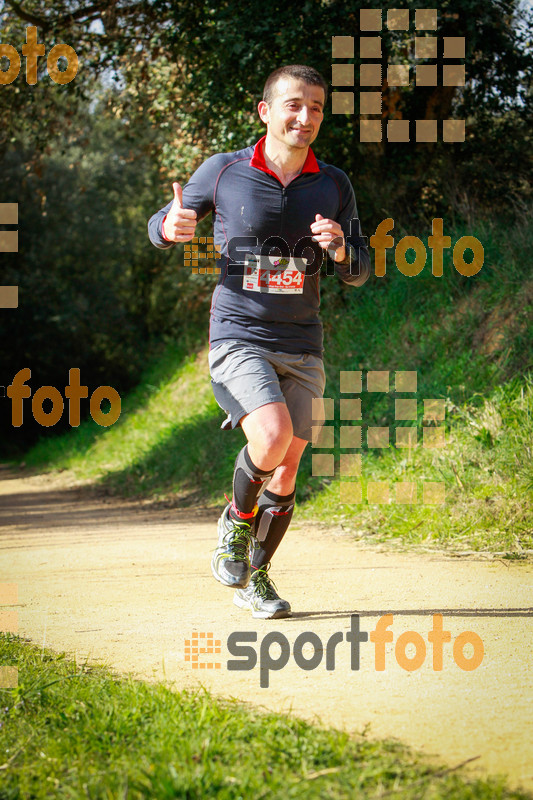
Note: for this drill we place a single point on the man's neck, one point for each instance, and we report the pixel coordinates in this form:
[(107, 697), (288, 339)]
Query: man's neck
[(285, 162)]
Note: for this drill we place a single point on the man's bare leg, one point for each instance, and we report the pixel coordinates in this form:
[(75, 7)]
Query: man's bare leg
[(271, 446), (269, 433), (284, 478)]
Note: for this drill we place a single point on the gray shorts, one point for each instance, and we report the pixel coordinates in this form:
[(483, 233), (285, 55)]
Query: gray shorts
[(246, 376)]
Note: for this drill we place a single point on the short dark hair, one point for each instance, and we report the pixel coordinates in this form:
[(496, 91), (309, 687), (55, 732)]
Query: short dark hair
[(300, 71)]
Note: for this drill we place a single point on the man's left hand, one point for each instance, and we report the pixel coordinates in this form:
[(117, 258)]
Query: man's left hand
[(329, 236)]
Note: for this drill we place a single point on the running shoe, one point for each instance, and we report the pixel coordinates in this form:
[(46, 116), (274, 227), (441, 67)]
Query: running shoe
[(231, 561), (261, 597)]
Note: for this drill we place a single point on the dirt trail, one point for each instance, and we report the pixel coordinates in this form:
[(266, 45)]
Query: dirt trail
[(127, 584)]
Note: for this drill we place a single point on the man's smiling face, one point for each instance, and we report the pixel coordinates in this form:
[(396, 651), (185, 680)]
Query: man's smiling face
[(295, 114)]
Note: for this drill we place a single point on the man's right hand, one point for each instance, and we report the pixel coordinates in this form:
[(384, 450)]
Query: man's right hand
[(180, 223)]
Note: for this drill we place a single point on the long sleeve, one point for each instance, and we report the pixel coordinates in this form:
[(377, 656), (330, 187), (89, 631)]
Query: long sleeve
[(155, 228)]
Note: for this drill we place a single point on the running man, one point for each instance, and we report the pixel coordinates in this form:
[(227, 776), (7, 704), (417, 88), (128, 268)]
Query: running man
[(270, 199)]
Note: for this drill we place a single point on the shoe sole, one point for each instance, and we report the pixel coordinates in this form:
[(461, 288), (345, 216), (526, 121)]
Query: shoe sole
[(281, 614)]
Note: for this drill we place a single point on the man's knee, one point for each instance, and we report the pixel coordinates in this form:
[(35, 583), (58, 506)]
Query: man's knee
[(276, 437), (269, 430)]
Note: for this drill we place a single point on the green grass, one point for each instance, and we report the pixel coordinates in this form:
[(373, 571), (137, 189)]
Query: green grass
[(470, 340), (82, 732), (486, 468)]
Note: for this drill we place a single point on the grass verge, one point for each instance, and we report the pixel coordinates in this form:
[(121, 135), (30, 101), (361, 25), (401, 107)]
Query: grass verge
[(485, 472), (83, 732)]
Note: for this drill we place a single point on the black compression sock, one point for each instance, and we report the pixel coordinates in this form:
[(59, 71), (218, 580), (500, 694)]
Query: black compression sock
[(273, 519), (248, 482)]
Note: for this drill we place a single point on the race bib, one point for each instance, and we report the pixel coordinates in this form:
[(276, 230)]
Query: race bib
[(275, 275)]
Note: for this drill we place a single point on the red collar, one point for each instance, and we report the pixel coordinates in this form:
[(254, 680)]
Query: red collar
[(258, 160)]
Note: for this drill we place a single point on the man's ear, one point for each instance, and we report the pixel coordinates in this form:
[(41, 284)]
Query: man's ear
[(263, 111)]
